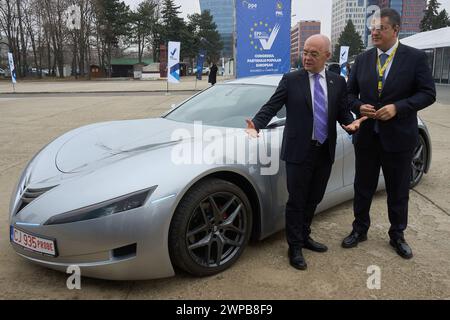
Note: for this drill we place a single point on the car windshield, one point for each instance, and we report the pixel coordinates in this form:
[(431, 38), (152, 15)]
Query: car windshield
[(226, 105)]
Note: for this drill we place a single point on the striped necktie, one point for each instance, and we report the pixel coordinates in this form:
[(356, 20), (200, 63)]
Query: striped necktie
[(320, 111)]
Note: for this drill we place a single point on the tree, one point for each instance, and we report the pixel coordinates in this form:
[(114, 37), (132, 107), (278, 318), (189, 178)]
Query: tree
[(8, 26), (349, 37), (209, 37), (429, 16), (145, 20), (432, 19), (442, 20), (56, 32), (113, 22), (202, 35), (23, 51), (173, 25)]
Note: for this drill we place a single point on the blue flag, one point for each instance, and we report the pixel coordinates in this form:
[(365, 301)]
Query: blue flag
[(12, 68), (200, 61)]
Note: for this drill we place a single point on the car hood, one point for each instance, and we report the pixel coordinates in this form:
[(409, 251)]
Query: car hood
[(114, 141)]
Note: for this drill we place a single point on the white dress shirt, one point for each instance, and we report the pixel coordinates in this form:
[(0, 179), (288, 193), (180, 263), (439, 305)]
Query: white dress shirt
[(390, 62), (323, 83)]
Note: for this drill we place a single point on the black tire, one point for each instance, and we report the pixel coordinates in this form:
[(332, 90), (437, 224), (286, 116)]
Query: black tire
[(198, 232), (419, 162)]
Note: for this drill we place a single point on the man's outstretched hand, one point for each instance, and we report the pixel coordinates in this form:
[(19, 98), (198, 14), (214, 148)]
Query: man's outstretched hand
[(354, 126), (251, 129)]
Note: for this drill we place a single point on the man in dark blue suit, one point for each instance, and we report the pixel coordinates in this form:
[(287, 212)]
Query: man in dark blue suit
[(314, 100), (388, 84)]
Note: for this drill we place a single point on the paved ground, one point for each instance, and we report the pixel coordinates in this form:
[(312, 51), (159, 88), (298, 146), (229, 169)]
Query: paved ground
[(29, 122), (187, 83)]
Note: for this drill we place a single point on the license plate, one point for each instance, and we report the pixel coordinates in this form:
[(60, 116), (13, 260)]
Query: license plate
[(33, 242)]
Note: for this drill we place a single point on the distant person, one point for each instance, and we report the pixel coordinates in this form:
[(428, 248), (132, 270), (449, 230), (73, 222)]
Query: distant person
[(213, 74), (335, 68), (349, 69)]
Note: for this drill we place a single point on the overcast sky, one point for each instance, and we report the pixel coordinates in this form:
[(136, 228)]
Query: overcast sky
[(301, 9)]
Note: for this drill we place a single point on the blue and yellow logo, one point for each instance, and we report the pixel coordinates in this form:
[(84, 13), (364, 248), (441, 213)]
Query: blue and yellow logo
[(259, 31)]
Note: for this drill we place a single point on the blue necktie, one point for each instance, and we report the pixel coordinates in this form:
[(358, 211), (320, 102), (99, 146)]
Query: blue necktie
[(320, 111), (383, 58)]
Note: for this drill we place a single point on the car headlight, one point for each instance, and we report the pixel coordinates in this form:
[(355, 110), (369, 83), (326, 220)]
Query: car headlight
[(127, 202), (20, 188)]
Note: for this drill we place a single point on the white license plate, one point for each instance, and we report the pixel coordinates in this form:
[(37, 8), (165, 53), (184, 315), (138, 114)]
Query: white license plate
[(32, 242)]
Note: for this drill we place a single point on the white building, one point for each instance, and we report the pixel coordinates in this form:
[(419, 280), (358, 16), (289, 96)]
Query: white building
[(436, 44), (344, 10)]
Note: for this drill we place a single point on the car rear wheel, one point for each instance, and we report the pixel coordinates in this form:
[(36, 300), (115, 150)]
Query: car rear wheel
[(210, 228), (419, 162)]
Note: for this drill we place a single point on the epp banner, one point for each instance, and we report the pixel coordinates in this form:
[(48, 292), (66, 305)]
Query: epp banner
[(343, 58), (173, 66), (12, 68), (263, 29)]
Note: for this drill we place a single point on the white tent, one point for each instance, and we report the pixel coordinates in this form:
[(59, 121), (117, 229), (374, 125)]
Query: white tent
[(438, 38)]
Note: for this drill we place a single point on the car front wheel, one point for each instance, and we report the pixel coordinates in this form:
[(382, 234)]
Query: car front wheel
[(210, 228), (419, 162)]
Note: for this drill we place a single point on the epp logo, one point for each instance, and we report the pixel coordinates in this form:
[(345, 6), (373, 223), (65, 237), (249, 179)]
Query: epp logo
[(249, 5), (263, 39)]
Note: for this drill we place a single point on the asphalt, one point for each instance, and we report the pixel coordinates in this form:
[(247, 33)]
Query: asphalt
[(103, 86), (28, 123)]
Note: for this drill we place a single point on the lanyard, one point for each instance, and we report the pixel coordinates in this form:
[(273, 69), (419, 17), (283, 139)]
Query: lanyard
[(382, 69)]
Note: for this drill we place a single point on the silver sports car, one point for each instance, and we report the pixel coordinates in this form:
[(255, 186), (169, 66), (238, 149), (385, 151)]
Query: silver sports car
[(138, 199)]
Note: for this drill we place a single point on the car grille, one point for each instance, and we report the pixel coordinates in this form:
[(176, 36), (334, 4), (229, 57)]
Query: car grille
[(31, 194)]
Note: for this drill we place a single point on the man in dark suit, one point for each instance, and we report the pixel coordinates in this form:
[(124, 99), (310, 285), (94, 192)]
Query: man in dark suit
[(388, 84), (314, 100)]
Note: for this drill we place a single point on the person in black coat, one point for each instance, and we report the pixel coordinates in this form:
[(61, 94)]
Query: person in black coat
[(388, 84), (212, 78), (335, 68), (315, 99)]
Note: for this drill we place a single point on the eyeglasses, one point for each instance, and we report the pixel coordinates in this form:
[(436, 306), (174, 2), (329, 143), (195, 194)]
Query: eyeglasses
[(379, 28), (313, 54)]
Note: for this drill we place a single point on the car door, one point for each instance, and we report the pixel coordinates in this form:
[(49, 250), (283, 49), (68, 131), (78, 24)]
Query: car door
[(273, 141)]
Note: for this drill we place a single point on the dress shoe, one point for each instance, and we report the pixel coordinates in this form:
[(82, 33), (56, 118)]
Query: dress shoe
[(296, 258), (353, 239), (402, 248), (312, 245)]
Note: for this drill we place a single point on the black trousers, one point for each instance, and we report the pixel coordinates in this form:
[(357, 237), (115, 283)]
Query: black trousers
[(306, 183), (397, 173)]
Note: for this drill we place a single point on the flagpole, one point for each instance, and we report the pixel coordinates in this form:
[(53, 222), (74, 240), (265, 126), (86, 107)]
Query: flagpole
[(167, 68)]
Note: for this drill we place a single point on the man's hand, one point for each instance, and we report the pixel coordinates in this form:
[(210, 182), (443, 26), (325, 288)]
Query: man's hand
[(251, 129), (354, 126), (368, 110), (386, 113)]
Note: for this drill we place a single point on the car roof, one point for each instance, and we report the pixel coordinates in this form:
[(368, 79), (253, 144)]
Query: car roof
[(267, 80)]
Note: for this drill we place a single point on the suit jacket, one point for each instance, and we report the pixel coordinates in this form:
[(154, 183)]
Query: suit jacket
[(294, 92), (409, 85)]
